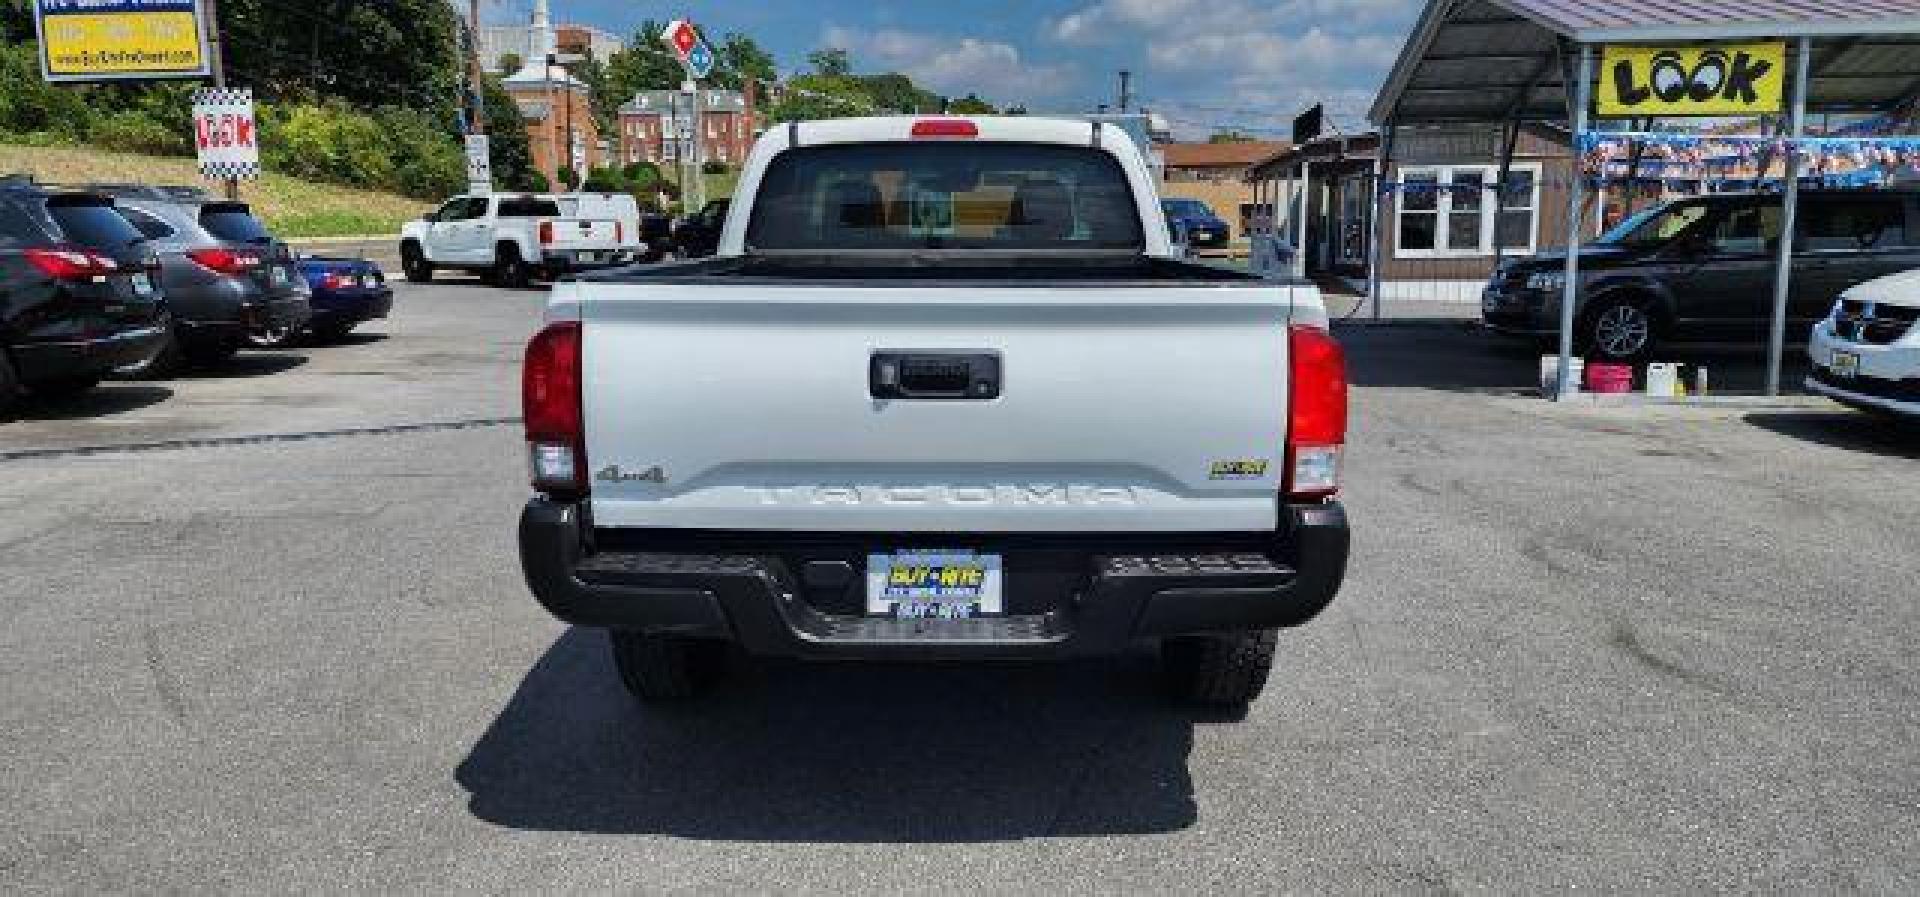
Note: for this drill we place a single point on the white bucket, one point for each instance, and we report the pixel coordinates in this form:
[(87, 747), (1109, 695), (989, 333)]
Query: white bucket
[(1663, 379), (1550, 370)]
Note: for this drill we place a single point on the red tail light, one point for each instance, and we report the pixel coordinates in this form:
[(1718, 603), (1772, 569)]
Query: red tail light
[(945, 127), (550, 398), (69, 262), (1317, 413), (619, 232), (546, 233), (225, 261)]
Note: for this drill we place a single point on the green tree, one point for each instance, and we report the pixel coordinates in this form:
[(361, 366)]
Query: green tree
[(894, 92), (511, 62), (394, 52), (831, 62), (507, 143), (971, 105), (739, 58)]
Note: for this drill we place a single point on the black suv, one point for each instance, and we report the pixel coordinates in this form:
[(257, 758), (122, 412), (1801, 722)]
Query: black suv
[(1702, 269), (77, 295)]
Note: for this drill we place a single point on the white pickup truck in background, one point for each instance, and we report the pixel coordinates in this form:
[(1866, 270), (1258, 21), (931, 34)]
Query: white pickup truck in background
[(511, 239), (944, 392)]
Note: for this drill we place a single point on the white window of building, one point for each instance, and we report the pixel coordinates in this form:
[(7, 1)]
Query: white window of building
[(1448, 210)]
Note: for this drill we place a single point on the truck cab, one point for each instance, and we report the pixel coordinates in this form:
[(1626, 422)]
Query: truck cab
[(945, 391)]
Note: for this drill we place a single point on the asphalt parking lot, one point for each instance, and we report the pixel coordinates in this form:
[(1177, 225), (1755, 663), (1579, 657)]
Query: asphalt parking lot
[(1647, 649)]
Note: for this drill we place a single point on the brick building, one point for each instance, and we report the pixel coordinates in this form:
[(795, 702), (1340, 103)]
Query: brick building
[(726, 128), (555, 106)]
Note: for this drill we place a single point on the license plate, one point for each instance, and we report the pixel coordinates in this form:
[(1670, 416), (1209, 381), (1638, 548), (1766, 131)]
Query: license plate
[(278, 276), (590, 257), (367, 282), (142, 285), (933, 584), (1845, 364)]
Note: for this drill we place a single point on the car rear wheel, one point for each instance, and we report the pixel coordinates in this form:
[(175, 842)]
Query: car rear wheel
[(9, 386), (274, 335), (1220, 670), (333, 331), (414, 264), (166, 360), (509, 269), (664, 667)]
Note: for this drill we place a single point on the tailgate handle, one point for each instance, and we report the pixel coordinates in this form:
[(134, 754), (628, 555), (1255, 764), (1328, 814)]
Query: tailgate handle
[(934, 375)]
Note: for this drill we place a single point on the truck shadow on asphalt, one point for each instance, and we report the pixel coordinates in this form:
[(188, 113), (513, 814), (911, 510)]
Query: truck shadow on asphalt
[(1843, 428), (839, 753)]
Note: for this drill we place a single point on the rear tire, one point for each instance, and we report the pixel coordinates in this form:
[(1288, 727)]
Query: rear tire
[(332, 332), (414, 264), (1224, 670), (166, 361), (274, 336), (9, 386), (657, 668), (509, 269)]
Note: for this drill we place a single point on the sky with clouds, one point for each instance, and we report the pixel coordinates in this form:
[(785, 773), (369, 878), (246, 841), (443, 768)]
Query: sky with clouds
[(1208, 64)]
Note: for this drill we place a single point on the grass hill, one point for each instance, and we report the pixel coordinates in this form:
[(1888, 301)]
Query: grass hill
[(293, 208)]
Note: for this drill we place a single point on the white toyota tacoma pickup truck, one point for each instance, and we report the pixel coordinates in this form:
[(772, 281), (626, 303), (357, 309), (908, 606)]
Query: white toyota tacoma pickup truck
[(512, 238), (944, 392)]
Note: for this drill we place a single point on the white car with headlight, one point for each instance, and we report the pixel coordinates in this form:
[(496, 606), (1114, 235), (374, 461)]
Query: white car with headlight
[(1866, 353)]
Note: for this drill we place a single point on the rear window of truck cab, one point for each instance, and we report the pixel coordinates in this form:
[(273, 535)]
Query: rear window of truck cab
[(946, 195)]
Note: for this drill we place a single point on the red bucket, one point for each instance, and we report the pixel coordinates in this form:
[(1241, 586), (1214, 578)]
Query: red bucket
[(1609, 377)]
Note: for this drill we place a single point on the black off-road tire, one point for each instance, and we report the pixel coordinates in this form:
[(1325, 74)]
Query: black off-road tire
[(414, 264), (657, 668), (509, 269), (1225, 670)]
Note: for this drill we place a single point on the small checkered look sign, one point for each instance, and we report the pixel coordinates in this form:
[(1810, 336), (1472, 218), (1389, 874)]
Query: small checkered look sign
[(224, 133)]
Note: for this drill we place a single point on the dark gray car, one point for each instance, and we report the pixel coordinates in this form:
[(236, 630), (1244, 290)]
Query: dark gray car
[(1702, 269), (228, 282)]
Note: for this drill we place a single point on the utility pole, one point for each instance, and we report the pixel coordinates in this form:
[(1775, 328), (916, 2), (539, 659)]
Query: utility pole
[(477, 117), (217, 56), (1126, 90)]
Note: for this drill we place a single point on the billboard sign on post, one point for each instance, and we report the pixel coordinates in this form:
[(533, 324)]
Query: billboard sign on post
[(224, 134), (479, 164), (105, 40), (1714, 79)]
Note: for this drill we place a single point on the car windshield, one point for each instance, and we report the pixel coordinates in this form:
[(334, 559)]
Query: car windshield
[(1655, 226), (234, 224), (93, 224), (1192, 207), (944, 195)]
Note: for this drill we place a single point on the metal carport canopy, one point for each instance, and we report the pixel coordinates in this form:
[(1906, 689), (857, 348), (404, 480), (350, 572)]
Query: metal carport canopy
[(1491, 61)]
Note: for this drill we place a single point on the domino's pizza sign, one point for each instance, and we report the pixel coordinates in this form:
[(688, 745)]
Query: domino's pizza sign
[(224, 133)]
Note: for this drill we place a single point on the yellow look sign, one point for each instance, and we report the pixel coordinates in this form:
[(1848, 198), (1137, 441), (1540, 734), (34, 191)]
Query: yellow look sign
[(1722, 79)]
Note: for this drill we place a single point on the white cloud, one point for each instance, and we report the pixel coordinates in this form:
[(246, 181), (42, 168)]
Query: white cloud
[(1250, 63), (949, 64)]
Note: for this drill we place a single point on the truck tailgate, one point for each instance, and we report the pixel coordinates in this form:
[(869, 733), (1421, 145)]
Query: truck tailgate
[(1148, 408), (585, 233)]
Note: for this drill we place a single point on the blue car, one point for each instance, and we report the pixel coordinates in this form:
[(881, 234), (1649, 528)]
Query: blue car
[(1197, 221), (346, 292)]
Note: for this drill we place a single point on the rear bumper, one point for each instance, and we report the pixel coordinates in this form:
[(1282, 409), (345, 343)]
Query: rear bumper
[(355, 305), (86, 357), (589, 260), (746, 588)]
